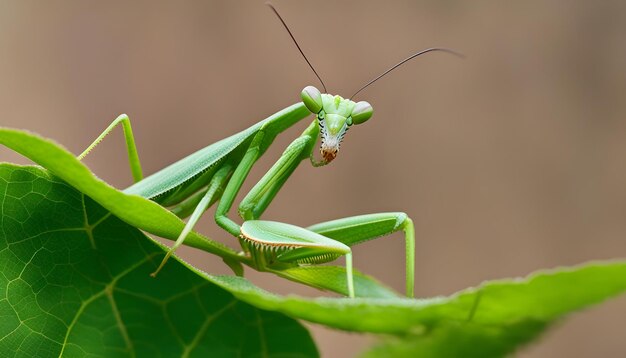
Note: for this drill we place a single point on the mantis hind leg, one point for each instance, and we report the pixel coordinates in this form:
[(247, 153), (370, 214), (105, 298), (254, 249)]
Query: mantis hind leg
[(357, 229), (133, 157)]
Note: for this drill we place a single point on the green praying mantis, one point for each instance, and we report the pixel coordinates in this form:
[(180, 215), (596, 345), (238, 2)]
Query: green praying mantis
[(216, 173)]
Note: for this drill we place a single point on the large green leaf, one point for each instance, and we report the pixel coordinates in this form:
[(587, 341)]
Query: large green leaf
[(541, 297), (487, 321), (75, 281)]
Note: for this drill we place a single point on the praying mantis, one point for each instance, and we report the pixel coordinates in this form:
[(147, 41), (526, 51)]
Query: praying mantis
[(216, 173)]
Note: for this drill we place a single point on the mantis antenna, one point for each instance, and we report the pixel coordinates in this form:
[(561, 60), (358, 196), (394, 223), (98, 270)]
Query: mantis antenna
[(296, 42), (406, 60)]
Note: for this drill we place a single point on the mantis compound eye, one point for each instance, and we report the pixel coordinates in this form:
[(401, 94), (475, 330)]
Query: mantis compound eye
[(362, 112), (312, 99)]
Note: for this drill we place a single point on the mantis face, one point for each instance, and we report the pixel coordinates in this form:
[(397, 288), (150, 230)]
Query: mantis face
[(335, 115)]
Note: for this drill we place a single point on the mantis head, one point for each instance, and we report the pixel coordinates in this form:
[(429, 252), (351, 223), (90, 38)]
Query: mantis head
[(335, 115)]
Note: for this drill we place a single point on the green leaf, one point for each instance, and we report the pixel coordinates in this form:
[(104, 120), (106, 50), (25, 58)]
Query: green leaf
[(542, 297), (75, 282), (491, 320)]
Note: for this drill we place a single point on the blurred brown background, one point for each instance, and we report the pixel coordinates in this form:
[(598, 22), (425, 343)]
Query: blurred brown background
[(510, 161)]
